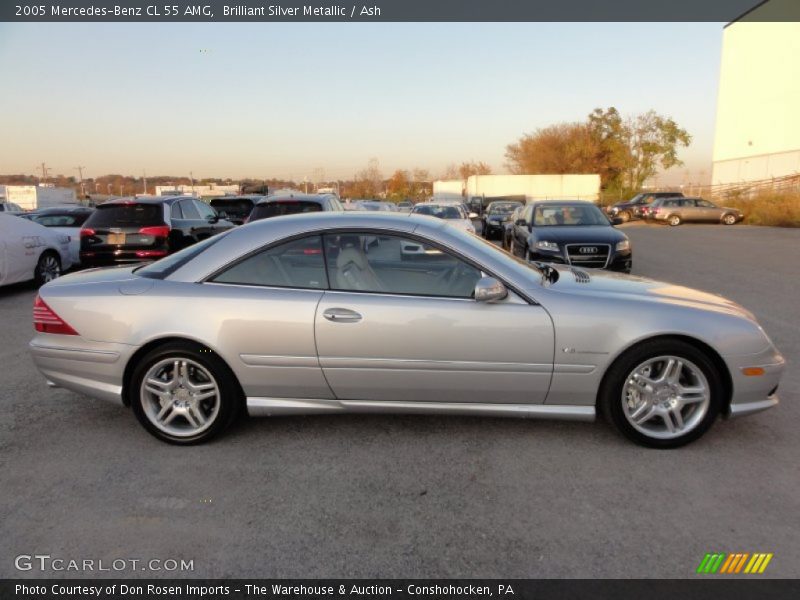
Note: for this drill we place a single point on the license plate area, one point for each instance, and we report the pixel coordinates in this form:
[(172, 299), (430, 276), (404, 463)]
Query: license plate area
[(116, 238)]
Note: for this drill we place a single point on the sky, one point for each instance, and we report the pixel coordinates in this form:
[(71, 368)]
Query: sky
[(306, 100)]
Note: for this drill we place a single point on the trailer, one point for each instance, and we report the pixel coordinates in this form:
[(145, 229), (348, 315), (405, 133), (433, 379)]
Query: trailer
[(480, 190), (34, 197)]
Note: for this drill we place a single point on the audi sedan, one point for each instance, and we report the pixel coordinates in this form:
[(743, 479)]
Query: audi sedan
[(574, 232), (307, 314)]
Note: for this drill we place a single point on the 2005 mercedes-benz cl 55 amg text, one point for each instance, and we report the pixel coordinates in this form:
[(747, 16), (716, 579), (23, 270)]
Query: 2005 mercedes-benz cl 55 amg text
[(319, 313)]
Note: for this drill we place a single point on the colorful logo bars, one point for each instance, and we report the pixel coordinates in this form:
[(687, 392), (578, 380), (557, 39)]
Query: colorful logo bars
[(739, 562)]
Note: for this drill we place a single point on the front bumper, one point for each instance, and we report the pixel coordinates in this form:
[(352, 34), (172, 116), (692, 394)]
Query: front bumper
[(618, 261), (752, 394)]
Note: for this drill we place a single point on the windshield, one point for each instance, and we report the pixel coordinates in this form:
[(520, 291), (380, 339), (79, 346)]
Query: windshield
[(283, 207), (502, 209), (235, 207), (568, 215), (440, 212)]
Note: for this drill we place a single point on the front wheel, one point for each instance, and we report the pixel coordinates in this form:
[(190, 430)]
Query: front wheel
[(184, 394), (625, 216), (729, 219), (662, 393), (674, 220), (47, 269)]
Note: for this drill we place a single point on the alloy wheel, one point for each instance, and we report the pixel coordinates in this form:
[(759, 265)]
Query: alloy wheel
[(49, 268), (180, 397), (665, 397)]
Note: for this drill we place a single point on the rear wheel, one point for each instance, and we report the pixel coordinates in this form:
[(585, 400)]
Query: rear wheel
[(47, 268), (184, 394), (625, 216), (674, 220), (662, 393), (729, 219)]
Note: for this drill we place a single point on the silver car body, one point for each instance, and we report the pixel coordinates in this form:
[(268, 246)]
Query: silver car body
[(540, 352), (22, 243)]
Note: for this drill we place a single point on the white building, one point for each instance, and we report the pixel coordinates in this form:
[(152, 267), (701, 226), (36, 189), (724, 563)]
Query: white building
[(758, 107), (31, 197), (534, 187)]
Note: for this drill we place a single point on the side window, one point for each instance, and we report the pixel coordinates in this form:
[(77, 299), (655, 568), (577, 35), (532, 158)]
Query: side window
[(528, 214), (204, 209), (392, 264), (705, 204), (295, 264), (188, 209), (687, 203), (176, 212)]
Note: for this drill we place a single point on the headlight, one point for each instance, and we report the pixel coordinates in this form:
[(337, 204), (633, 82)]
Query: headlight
[(545, 245), (613, 210), (623, 245)]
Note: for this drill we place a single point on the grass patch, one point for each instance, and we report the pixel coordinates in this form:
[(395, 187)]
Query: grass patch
[(770, 208)]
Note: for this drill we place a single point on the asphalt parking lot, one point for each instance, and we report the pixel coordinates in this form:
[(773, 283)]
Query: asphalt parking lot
[(414, 496)]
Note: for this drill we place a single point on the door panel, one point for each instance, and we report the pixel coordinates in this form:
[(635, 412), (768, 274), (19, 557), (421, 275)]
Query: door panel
[(410, 348)]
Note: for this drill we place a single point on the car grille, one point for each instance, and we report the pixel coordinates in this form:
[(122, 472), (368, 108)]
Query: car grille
[(588, 255)]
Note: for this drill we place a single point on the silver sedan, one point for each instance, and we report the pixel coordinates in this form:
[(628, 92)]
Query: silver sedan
[(318, 313)]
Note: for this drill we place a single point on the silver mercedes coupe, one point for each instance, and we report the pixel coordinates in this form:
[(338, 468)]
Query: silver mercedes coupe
[(323, 313)]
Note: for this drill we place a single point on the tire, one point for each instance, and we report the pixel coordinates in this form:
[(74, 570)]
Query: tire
[(625, 216), (48, 268), (674, 220), (623, 401), (729, 219), (192, 418)]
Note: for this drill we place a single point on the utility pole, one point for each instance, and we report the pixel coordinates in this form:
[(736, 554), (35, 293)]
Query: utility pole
[(144, 182), (45, 170), (80, 169), (191, 178)]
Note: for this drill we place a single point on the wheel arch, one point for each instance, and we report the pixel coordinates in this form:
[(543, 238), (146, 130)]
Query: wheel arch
[(713, 356), (158, 342)]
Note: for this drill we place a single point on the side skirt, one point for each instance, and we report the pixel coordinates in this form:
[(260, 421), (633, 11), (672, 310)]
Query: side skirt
[(266, 407)]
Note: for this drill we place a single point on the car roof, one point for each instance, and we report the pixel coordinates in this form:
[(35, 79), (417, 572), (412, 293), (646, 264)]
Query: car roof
[(147, 200), (563, 202), (254, 197), (319, 198), (63, 209)]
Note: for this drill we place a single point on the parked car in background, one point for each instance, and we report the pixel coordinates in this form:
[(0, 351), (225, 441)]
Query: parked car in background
[(30, 251), (235, 209), (632, 209), (64, 219), (291, 204), (455, 214), (10, 208), (405, 206), (303, 315), (129, 230), (571, 232), (675, 211), (496, 216), (376, 206)]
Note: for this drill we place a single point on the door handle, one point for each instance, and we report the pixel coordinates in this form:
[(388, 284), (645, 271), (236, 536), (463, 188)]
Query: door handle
[(342, 315)]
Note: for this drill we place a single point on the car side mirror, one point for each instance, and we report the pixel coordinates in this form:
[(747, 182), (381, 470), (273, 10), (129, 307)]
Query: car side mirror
[(212, 218), (617, 221), (474, 215), (488, 289)]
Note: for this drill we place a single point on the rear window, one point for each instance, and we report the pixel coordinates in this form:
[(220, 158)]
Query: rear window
[(126, 215), (169, 264), (236, 208), (283, 207)]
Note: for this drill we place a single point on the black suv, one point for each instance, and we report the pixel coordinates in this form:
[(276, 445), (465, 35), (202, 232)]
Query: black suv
[(130, 230), (496, 217), (235, 209), (291, 204), (632, 209)]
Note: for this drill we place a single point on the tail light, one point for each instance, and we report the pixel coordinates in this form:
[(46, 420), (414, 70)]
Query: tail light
[(150, 253), (158, 231), (47, 321), (87, 232)]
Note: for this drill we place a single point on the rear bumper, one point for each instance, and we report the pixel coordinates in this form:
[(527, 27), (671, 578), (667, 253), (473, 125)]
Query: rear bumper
[(91, 368), (108, 258)]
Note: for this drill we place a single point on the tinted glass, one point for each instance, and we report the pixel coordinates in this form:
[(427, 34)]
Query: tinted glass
[(162, 268), (572, 215), (396, 265), (295, 264), (283, 207), (126, 215), (175, 211), (189, 210), (233, 208), (60, 220), (502, 209), (440, 212), (206, 212)]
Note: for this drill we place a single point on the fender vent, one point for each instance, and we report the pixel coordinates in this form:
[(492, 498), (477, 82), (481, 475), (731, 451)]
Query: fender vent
[(581, 276)]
